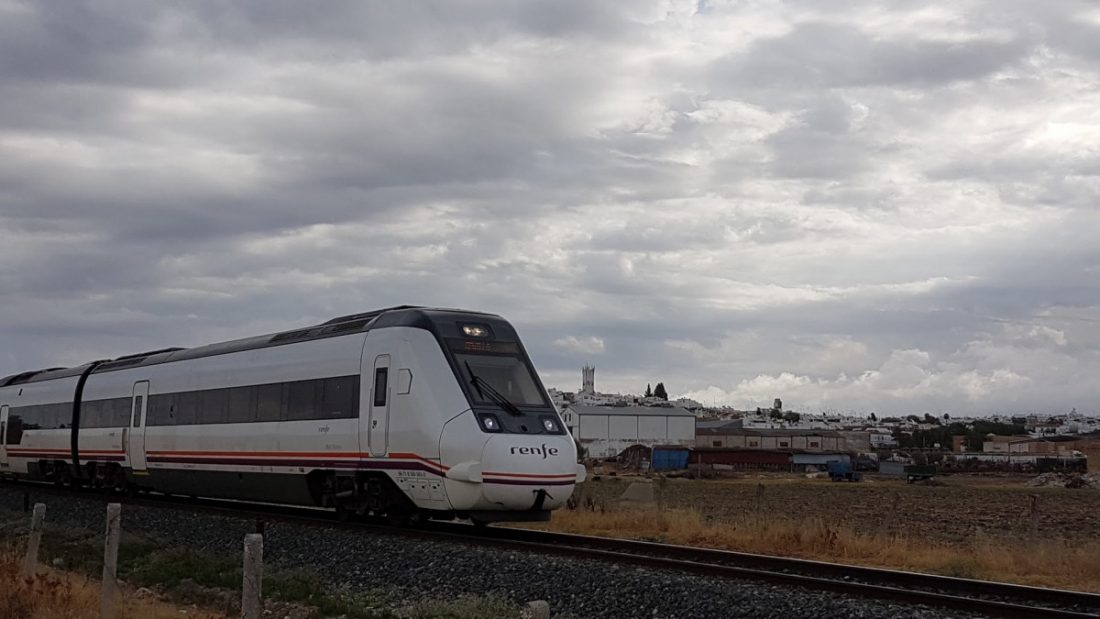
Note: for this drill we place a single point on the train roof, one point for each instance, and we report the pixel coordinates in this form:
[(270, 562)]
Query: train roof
[(400, 315)]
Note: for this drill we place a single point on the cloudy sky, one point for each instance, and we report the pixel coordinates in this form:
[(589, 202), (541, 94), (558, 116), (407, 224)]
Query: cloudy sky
[(868, 206)]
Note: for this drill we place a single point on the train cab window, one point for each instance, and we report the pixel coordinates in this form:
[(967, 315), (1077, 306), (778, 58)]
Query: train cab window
[(138, 401), (507, 374), (380, 387)]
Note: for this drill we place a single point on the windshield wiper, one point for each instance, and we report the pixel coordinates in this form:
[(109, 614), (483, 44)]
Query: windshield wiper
[(487, 391)]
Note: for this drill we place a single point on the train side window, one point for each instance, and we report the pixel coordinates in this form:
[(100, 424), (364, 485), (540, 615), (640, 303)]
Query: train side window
[(44, 414), (122, 412), (380, 378), (138, 401), (187, 405), (91, 414), (302, 400), (15, 428), (241, 405), (404, 381), (269, 402), (213, 406), (63, 412), (340, 398), (160, 409)]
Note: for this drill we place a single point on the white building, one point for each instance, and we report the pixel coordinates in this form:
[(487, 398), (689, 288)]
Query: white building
[(882, 440), (606, 431)]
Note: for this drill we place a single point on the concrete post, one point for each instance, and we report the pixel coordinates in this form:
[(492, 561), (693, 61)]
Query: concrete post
[(30, 562), (110, 562), (1034, 516), (251, 591)]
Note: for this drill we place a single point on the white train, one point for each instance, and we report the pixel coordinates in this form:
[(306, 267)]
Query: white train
[(404, 412)]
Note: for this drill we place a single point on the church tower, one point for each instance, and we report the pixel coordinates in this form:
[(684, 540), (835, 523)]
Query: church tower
[(588, 379)]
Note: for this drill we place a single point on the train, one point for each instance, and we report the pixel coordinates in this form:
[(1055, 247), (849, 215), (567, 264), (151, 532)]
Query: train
[(404, 413)]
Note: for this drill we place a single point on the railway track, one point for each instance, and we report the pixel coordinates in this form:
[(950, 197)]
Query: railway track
[(964, 595)]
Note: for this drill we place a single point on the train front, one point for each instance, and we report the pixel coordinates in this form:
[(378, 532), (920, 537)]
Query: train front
[(508, 456)]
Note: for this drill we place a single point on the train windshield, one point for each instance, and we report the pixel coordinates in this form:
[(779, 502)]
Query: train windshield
[(508, 375)]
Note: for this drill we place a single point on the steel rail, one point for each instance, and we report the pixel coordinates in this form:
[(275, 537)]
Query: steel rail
[(988, 598)]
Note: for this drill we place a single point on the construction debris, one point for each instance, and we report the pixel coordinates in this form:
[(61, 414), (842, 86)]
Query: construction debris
[(1066, 480)]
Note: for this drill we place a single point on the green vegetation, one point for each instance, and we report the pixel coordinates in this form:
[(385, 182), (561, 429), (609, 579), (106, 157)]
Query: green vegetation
[(659, 391), (975, 434)]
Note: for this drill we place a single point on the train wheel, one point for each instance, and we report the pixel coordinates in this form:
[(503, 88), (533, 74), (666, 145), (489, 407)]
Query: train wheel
[(343, 514)]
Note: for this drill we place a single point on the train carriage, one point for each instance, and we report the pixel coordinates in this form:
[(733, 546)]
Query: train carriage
[(405, 412)]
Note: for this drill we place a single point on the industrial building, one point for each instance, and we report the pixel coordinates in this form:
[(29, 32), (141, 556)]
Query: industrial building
[(730, 435), (607, 431)]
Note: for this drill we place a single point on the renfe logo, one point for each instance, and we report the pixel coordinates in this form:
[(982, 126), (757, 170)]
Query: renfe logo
[(543, 451)]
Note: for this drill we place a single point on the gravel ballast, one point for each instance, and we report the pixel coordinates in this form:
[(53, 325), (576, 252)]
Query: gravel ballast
[(421, 568)]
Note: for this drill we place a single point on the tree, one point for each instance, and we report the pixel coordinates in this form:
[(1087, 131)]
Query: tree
[(975, 434), (792, 417), (947, 416), (648, 391), (873, 418), (659, 392), (774, 414), (930, 419), (913, 418)]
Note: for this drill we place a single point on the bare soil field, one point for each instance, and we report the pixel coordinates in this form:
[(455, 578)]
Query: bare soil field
[(951, 510)]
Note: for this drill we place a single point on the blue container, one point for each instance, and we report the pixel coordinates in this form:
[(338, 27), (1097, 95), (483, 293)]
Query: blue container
[(667, 459)]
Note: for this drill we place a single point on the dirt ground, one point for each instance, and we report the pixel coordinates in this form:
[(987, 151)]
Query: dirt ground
[(950, 509)]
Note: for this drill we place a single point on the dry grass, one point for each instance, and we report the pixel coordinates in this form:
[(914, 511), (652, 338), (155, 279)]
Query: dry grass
[(62, 595), (1040, 563)]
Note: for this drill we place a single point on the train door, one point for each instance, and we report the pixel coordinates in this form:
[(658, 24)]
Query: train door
[(4, 436), (135, 447), (378, 425)]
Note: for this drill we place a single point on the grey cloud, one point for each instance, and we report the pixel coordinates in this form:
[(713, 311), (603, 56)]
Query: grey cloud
[(829, 55), (790, 214)]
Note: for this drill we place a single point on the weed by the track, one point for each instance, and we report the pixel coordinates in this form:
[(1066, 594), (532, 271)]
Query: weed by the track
[(1048, 563)]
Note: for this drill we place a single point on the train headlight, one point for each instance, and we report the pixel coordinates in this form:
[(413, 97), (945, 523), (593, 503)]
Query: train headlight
[(489, 423), (475, 330), (551, 425)]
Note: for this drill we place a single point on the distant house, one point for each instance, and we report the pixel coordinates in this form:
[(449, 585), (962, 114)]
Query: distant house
[(607, 431), (882, 440), (1006, 444)]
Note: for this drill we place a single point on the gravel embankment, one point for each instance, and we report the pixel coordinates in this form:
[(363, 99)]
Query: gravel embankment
[(419, 568)]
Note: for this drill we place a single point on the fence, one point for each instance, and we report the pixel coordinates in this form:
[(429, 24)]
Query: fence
[(251, 586)]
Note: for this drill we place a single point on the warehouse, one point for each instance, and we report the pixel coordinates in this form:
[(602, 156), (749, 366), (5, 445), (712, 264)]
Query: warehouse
[(731, 436), (606, 431)]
